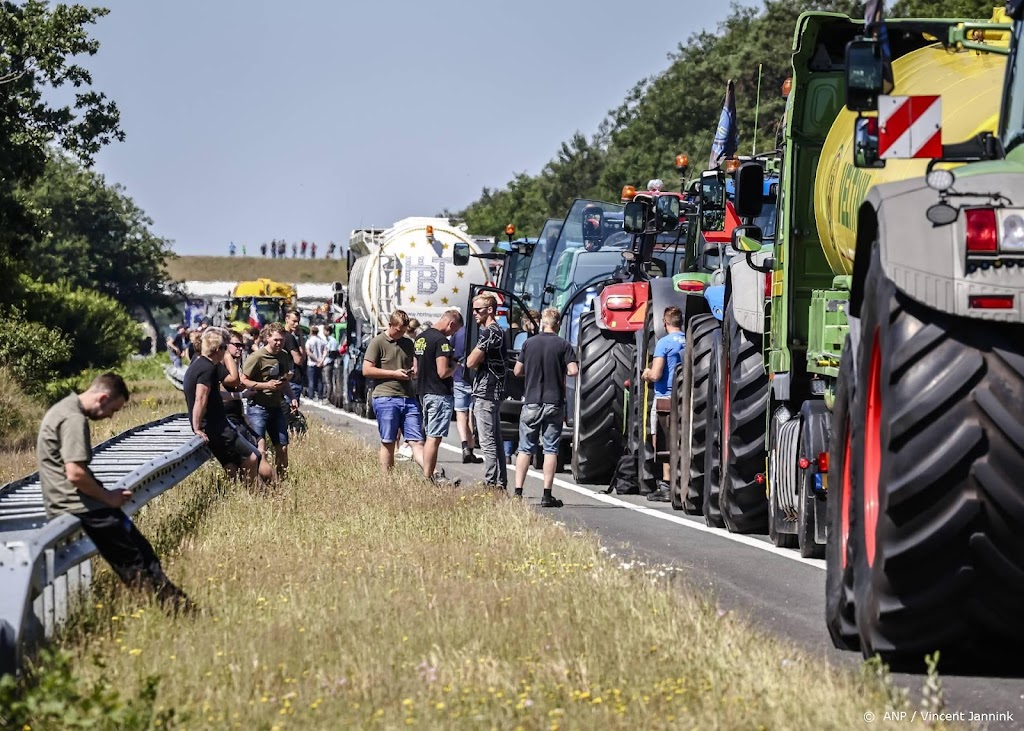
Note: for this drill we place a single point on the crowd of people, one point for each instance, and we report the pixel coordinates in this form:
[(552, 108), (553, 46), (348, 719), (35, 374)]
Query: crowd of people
[(278, 249), (422, 380)]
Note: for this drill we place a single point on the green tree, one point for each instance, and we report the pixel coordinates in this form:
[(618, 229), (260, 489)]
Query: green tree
[(37, 45), (93, 236)]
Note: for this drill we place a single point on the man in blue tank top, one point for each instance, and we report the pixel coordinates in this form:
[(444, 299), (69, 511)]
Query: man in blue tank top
[(668, 353)]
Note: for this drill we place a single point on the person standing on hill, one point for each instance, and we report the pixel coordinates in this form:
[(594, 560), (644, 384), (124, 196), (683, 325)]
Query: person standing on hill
[(489, 357), (436, 366), (391, 361), (544, 362), (63, 452), (668, 353)]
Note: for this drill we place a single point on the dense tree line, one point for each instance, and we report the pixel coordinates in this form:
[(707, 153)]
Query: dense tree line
[(677, 111), (76, 253)]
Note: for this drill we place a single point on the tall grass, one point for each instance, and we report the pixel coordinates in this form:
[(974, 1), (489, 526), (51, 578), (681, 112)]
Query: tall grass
[(347, 600)]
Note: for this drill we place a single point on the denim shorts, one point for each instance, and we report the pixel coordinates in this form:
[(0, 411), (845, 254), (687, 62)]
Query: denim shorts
[(463, 396), (270, 421), (437, 414), (394, 413), (540, 421)]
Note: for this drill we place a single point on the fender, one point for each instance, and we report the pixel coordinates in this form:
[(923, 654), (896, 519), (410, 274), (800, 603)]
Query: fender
[(929, 263), (715, 296), (747, 295), (628, 308)]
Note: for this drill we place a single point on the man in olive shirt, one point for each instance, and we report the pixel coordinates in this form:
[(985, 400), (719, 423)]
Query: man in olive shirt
[(268, 368), (64, 451), (391, 362)]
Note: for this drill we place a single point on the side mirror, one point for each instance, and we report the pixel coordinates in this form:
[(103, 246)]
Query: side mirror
[(634, 218), (712, 191), (864, 74), (749, 190), (667, 209), (460, 254), (865, 144), (747, 238)]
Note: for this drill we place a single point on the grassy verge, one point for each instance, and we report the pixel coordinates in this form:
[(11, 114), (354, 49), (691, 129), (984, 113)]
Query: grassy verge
[(345, 600), (244, 268)]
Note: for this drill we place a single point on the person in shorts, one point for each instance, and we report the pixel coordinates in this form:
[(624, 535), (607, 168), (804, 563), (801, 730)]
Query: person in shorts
[(206, 408), (268, 368), (435, 362), (390, 361), (235, 387), (668, 354), (544, 362), (463, 392)]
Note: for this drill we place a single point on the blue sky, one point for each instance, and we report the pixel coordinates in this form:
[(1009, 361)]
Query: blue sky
[(249, 120)]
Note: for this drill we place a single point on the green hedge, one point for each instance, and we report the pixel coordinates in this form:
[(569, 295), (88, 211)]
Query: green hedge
[(99, 332), (34, 355)]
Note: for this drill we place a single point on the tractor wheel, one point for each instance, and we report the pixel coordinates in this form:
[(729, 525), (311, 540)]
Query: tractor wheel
[(368, 404), (712, 453), (814, 424), (690, 415), (641, 408), (839, 612), (744, 407), (605, 364), (937, 456), (679, 404)]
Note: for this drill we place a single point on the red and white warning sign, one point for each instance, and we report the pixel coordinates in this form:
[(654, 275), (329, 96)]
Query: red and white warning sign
[(909, 126)]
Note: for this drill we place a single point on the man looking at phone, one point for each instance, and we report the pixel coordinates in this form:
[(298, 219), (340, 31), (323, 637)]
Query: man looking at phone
[(390, 360)]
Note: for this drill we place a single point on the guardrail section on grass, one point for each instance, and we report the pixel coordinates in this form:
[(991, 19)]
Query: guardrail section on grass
[(44, 564), (175, 376)]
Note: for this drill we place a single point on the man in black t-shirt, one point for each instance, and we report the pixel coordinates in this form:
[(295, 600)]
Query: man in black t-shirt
[(202, 395), (544, 362), (488, 357), (435, 367), (295, 347)]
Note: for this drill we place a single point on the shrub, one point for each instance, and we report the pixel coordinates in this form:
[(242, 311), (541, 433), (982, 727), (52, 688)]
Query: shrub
[(100, 331), (33, 355), (19, 413)]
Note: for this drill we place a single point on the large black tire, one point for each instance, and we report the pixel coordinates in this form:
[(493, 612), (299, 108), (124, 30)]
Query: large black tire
[(641, 407), (744, 407), (675, 432), (839, 604), (937, 467), (815, 420), (713, 452), (690, 415), (605, 363)]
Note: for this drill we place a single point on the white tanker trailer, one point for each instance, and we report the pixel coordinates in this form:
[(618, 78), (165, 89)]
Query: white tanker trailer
[(406, 267)]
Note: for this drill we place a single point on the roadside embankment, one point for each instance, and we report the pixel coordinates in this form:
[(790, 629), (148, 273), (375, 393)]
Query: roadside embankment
[(346, 600)]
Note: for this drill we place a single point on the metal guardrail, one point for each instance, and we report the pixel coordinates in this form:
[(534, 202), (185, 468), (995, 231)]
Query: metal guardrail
[(44, 564)]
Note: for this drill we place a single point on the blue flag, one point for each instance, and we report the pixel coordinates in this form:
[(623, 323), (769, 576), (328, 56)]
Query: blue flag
[(727, 136)]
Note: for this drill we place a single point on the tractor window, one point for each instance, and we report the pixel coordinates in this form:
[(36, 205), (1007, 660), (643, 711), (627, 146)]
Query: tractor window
[(767, 219), (1013, 116)]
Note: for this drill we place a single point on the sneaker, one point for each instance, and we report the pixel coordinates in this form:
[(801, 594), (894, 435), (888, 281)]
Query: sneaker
[(550, 502), (469, 458), (662, 495), (404, 452)]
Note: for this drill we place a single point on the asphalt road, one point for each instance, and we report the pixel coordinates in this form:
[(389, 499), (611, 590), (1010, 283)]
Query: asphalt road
[(774, 588)]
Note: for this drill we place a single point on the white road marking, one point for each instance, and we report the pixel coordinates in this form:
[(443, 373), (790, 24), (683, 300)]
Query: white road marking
[(692, 524)]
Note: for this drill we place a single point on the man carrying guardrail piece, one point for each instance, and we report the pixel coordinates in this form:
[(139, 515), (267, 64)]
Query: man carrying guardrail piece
[(63, 452)]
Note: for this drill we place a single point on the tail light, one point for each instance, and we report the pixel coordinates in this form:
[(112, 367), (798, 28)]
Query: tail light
[(768, 286), (804, 463), (689, 285), (990, 302), (981, 231), (619, 302), (822, 461)]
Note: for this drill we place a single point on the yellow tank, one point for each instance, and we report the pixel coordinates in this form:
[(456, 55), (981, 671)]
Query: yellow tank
[(264, 288), (970, 84)]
